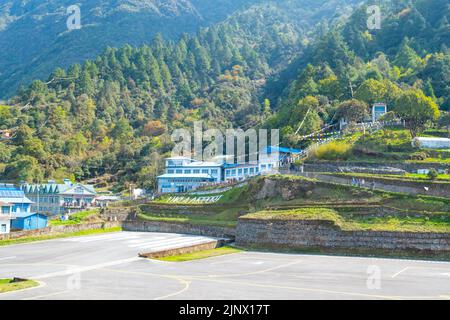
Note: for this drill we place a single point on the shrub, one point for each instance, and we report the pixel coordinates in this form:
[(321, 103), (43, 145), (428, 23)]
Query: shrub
[(419, 156), (334, 150), (433, 174)]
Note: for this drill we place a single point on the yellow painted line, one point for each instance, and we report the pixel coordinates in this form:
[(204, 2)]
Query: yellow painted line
[(318, 290), (186, 287)]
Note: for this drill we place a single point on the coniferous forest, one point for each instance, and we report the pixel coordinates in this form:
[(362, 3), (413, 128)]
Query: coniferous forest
[(267, 64)]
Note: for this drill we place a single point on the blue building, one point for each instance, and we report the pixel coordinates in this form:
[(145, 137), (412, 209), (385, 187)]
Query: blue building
[(16, 198), (29, 221), (184, 174)]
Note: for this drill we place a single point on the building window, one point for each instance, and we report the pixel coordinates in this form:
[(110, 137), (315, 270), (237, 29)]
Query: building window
[(170, 171), (228, 173), (256, 169), (240, 172), (252, 170), (214, 171), (3, 228), (205, 171), (196, 171), (246, 171), (187, 171), (263, 167), (179, 171)]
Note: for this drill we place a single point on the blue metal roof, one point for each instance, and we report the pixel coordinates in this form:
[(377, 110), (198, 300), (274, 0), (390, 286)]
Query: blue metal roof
[(27, 214), (283, 150)]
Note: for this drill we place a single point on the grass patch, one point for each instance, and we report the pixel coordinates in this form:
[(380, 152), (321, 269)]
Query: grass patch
[(77, 218), (59, 235), (226, 218), (425, 223), (7, 285), (201, 254)]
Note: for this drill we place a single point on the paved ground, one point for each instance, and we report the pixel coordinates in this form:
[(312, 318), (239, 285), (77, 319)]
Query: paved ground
[(107, 267)]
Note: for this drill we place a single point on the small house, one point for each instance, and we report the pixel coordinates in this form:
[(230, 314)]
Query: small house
[(5, 217), (29, 221)]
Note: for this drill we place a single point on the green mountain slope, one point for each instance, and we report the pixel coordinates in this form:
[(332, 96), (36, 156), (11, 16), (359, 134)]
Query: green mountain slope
[(113, 115), (35, 38), (409, 52)]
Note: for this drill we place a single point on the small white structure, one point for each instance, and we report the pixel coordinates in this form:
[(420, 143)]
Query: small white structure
[(378, 110), (5, 217), (431, 143)]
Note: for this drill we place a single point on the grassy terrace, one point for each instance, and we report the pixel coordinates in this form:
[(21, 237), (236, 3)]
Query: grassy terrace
[(410, 211), (225, 218), (77, 218), (7, 285), (201, 254), (425, 223), (411, 177), (388, 144), (57, 236)]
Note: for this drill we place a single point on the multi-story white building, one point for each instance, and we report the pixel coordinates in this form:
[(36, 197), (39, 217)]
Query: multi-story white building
[(184, 174)]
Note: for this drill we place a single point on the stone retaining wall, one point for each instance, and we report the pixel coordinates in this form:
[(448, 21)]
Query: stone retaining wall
[(300, 234), (437, 189), (184, 250), (182, 228), (60, 229), (337, 166)]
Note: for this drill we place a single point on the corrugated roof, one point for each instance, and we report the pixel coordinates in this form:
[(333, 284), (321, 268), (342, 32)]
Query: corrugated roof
[(27, 214)]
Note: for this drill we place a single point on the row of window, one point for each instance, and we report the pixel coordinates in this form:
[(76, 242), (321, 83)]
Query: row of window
[(241, 172), (194, 171)]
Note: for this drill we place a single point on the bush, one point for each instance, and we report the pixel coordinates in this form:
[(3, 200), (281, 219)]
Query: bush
[(433, 174), (419, 156), (334, 150)]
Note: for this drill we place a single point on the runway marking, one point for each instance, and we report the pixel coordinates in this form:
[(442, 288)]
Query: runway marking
[(83, 269), (317, 290), (253, 272), (47, 295), (349, 257), (8, 258), (166, 242), (186, 287), (419, 267), (400, 272), (180, 279)]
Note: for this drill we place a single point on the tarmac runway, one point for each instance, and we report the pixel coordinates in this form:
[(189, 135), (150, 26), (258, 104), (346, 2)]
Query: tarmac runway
[(107, 267)]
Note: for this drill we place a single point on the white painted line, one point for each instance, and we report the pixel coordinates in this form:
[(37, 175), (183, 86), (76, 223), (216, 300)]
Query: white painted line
[(7, 258), (167, 243), (178, 246), (144, 240), (103, 238), (401, 271), (158, 242), (71, 271)]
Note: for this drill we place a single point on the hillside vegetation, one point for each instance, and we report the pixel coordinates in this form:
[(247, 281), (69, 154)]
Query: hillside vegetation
[(293, 65)]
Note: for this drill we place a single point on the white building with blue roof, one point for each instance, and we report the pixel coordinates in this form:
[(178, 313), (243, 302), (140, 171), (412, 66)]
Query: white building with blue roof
[(184, 174)]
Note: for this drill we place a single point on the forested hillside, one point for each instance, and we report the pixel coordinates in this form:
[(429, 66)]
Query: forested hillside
[(113, 115), (36, 39), (408, 58), (293, 65)]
